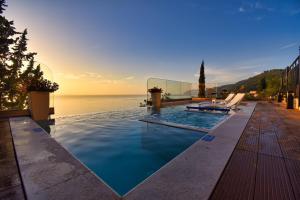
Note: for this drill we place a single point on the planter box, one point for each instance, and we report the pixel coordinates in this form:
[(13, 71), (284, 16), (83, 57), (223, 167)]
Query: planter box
[(296, 103), (156, 99), (39, 105)]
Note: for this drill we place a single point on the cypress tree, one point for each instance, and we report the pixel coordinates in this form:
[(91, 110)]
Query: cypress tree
[(263, 83), (201, 92)]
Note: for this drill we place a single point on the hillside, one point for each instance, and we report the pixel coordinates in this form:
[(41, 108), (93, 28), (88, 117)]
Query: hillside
[(273, 82)]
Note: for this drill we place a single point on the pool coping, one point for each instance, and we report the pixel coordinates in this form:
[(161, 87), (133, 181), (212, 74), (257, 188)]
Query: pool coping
[(188, 127), (159, 185), (175, 125), (164, 185), (69, 172)]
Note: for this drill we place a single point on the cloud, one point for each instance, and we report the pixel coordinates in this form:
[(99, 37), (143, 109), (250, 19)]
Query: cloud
[(251, 7), (295, 12), (93, 75), (77, 76), (289, 45), (71, 76), (129, 78), (259, 18), (231, 74), (241, 9), (258, 5), (222, 76), (108, 81), (249, 67)]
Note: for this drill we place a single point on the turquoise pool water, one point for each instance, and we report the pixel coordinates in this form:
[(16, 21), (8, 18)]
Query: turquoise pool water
[(178, 115), (122, 150)]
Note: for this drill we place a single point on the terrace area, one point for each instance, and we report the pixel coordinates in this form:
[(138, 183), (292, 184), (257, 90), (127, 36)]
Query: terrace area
[(265, 164), (266, 161)]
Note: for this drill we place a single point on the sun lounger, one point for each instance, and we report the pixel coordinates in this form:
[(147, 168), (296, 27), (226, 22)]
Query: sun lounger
[(226, 108), (223, 102), (228, 99)]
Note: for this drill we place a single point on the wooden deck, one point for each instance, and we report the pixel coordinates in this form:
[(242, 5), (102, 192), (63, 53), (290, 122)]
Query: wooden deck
[(10, 181), (266, 161)]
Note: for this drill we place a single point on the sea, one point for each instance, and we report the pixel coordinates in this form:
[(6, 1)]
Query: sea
[(69, 105)]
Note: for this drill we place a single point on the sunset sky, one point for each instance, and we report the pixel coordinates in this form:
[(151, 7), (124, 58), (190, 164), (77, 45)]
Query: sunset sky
[(112, 47)]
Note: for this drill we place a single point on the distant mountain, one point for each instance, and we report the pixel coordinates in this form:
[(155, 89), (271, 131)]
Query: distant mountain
[(273, 80)]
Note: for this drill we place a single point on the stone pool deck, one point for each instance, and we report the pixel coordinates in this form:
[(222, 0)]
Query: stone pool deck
[(49, 171), (264, 163)]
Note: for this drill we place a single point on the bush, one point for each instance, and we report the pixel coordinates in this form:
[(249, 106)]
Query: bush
[(43, 85), (155, 90), (249, 97)]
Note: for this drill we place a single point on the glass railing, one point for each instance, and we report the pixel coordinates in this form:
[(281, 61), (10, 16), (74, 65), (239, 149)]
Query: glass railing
[(179, 90), (171, 90)]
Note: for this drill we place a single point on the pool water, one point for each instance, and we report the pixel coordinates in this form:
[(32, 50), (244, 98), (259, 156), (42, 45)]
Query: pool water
[(179, 115), (119, 148)]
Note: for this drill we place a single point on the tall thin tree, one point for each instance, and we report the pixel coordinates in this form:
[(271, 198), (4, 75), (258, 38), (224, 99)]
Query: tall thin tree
[(201, 92)]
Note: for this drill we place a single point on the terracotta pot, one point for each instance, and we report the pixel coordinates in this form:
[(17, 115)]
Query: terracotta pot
[(156, 99), (39, 105)]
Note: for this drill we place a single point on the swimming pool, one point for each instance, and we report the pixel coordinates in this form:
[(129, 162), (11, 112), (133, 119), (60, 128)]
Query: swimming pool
[(179, 115), (122, 150)]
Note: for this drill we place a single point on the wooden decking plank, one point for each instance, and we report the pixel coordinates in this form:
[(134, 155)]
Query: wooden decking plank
[(293, 168), (248, 142), (272, 180), (10, 182), (268, 144), (238, 181), (277, 175)]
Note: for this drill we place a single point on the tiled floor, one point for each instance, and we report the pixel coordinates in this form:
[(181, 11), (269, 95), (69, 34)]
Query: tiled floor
[(266, 162), (10, 183)]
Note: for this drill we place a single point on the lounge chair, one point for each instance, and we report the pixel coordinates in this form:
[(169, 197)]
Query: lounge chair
[(226, 108), (228, 99), (222, 102)]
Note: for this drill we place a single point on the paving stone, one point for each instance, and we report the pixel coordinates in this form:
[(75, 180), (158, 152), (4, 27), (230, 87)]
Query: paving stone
[(83, 187), (49, 171)]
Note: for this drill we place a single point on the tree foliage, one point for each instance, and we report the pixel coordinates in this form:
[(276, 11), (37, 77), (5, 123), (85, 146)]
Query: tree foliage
[(201, 92), (268, 81), (17, 65)]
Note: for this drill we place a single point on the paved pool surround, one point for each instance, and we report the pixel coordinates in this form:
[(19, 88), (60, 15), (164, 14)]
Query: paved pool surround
[(49, 171)]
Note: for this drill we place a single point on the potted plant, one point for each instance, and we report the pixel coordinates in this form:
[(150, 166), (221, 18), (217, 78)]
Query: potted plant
[(39, 98), (156, 96)]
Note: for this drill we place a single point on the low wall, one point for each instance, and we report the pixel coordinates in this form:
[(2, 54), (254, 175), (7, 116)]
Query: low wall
[(20, 113)]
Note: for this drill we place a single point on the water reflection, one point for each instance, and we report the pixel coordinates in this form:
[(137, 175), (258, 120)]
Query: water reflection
[(83, 104), (47, 124), (165, 142)]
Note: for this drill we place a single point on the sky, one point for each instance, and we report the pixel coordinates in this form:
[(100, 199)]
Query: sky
[(113, 47)]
